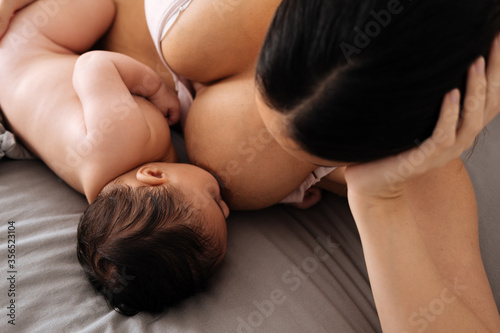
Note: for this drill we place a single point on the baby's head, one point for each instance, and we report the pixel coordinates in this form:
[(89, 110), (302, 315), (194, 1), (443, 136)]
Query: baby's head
[(153, 236)]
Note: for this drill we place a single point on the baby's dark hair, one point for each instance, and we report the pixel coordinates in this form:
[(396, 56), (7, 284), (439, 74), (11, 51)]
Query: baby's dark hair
[(145, 248)]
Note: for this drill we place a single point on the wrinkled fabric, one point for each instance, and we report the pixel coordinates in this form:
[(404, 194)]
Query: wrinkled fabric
[(285, 270), (10, 148)]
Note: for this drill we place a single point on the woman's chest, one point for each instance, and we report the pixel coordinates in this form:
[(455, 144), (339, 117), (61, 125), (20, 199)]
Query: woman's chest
[(129, 35), (215, 39)]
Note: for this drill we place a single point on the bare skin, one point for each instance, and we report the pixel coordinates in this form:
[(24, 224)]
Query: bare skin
[(422, 247), (216, 133), (81, 114), (443, 237), (223, 135), (70, 116), (441, 241), (7, 10)]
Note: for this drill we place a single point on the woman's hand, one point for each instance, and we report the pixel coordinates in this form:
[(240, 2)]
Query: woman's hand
[(7, 10), (386, 178), (414, 246)]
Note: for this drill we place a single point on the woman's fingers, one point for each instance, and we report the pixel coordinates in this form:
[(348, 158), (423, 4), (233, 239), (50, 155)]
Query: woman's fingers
[(445, 132), (472, 120), (438, 149), (455, 133)]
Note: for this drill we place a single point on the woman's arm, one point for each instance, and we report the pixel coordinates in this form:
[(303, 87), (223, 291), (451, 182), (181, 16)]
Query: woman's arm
[(411, 263), (410, 289), (122, 129)]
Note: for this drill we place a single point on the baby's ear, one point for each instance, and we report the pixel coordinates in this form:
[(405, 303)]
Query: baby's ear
[(151, 175)]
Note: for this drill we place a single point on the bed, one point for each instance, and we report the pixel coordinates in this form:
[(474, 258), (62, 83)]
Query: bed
[(286, 270)]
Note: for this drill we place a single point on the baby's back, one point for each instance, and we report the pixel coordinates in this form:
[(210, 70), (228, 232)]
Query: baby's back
[(37, 60), (36, 90)]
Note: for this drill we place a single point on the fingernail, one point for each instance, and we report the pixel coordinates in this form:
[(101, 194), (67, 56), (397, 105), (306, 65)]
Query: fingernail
[(480, 65), (455, 96)]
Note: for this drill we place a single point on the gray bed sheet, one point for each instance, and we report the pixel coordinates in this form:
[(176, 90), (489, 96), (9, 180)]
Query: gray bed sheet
[(286, 270)]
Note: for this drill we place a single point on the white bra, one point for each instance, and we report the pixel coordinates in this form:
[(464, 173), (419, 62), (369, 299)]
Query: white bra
[(161, 16)]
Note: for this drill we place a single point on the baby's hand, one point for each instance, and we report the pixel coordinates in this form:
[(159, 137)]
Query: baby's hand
[(95, 70), (168, 103), (7, 10)]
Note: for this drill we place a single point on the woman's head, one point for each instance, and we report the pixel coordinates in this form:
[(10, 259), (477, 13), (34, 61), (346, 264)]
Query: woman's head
[(146, 248), (355, 81)]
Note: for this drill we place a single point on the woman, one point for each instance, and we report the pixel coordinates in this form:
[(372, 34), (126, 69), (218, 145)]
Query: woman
[(350, 82), (230, 142), (225, 134), (236, 164)]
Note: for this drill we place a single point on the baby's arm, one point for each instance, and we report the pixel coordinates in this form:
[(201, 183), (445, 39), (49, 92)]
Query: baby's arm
[(123, 131), (7, 10), (105, 83)]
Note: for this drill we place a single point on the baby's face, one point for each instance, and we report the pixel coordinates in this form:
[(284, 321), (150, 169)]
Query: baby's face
[(197, 185)]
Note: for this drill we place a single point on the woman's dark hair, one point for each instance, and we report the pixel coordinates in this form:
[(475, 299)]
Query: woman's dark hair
[(145, 249), (363, 79)]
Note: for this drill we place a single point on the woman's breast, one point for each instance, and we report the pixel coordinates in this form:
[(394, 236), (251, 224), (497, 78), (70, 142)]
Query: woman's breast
[(225, 135)]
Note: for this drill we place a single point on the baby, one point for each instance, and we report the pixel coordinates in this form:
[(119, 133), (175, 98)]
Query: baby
[(155, 230)]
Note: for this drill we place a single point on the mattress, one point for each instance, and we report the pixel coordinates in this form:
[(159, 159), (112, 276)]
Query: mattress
[(286, 270)]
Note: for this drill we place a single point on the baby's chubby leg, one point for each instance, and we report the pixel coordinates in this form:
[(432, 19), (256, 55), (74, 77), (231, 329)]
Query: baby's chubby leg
[(73, 24)]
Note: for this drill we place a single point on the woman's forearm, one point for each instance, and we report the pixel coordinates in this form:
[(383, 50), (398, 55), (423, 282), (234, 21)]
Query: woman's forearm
[(417, 219), (410, 291)]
